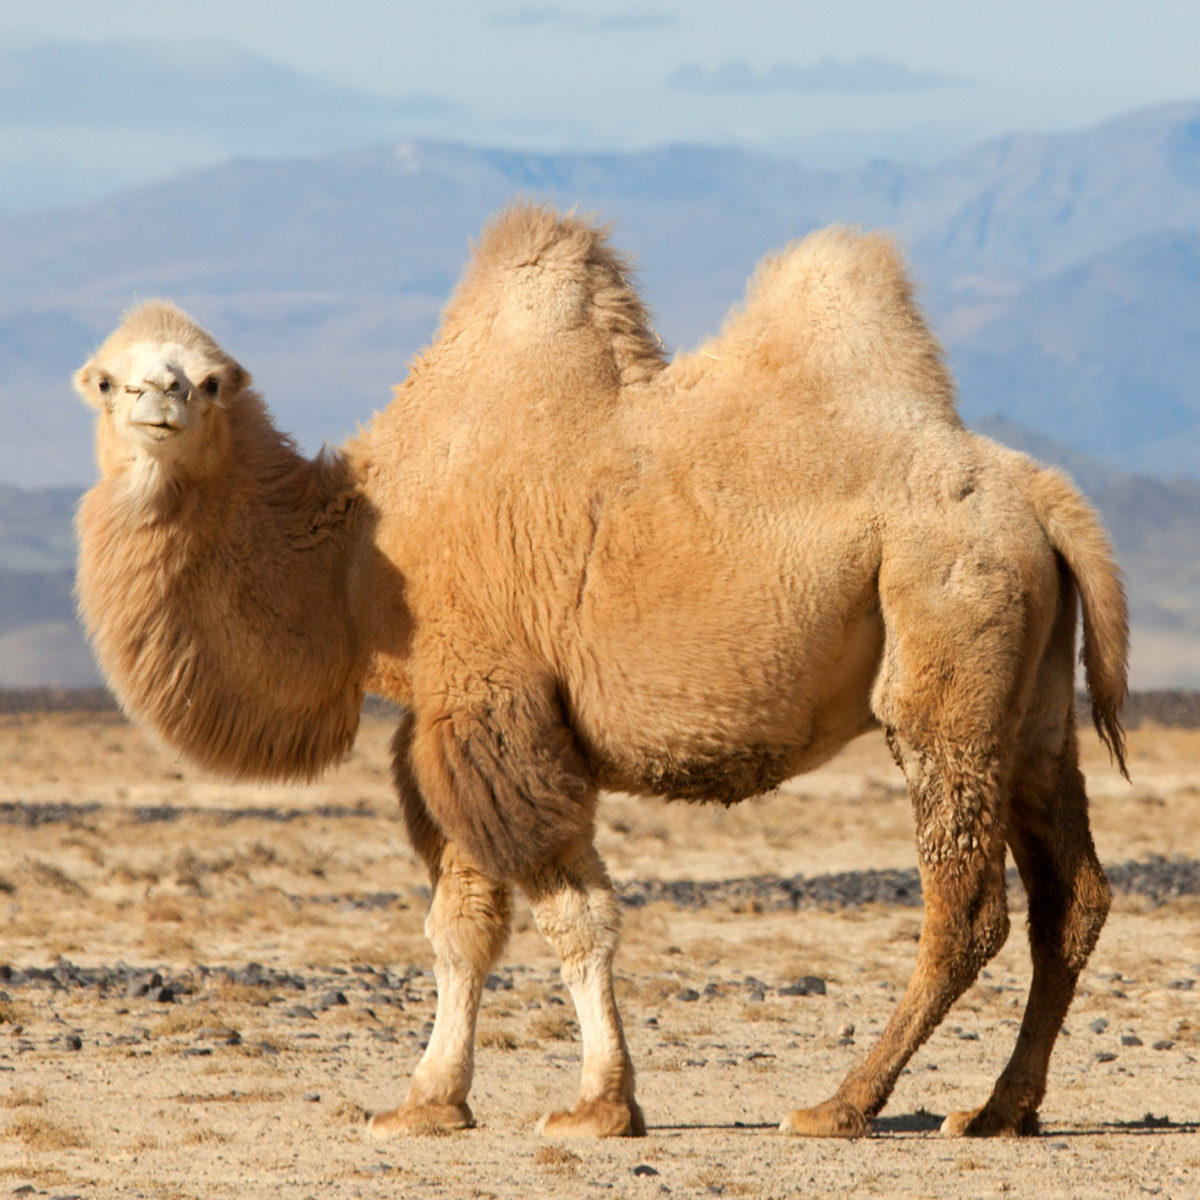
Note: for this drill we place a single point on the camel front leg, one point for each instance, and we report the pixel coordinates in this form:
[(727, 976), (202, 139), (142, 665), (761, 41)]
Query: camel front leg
[(467, 925), (577, 912)]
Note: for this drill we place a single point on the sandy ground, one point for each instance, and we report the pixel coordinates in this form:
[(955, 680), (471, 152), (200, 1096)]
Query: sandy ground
[(219, 1079)]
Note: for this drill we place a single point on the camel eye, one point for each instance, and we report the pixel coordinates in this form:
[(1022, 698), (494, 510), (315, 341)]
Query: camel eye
[(105, 386), (211, 386)]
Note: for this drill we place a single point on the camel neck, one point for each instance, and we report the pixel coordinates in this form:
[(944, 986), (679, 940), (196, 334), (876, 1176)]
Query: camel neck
[(219, 611)]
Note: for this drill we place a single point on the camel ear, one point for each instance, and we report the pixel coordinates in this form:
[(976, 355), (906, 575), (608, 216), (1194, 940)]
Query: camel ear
[(94, 386), (237, 378)]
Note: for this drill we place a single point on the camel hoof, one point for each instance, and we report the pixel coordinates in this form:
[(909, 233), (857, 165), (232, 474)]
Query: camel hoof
[(985, 1122), (596, 1118), (420, 1119), (834, 1118)]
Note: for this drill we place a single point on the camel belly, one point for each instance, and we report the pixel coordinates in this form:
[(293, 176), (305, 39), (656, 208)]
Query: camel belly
[(724, 731)]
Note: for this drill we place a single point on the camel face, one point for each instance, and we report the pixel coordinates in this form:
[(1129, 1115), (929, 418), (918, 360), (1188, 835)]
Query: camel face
[(158, 382)]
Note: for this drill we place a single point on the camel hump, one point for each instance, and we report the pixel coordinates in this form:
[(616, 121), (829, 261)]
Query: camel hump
[(535, 276), (838, 306), (1075, 532)]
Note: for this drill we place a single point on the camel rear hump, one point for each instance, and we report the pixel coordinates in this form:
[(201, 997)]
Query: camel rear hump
[(836, 309)]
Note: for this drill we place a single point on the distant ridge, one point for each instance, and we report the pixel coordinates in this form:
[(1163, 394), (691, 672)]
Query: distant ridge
[(1063, 271)]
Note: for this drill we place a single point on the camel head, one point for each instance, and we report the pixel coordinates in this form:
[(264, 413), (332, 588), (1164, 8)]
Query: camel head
[(163, 388)]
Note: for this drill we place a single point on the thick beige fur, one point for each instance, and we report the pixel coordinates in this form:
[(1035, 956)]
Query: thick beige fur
[(578, 567)]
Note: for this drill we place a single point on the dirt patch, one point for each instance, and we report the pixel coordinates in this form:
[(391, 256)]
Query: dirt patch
[(206, 987)]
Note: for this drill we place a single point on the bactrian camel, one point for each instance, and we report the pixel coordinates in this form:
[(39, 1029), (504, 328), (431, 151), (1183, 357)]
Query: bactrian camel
[(577, 567)]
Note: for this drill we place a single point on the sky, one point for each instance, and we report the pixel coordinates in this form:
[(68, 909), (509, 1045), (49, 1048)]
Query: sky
[(832, 84)]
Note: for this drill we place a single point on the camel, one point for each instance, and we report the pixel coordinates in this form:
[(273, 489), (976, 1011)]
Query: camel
[(577, 567)]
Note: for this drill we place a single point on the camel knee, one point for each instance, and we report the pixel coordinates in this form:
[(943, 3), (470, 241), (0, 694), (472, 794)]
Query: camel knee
[(576, 909), (470, 916), (968, 926), (1069, 927)]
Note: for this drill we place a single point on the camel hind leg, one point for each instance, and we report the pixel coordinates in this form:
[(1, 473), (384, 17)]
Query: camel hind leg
[(957, 796), (954, 669), (467, 925), (1068, 894), (576, 909)]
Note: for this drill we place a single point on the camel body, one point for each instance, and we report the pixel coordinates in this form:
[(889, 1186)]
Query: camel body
[(578, 567)]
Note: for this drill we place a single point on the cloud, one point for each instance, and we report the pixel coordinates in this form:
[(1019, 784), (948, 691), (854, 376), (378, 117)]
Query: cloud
[(213, 85), (530, 17), (829, 75)]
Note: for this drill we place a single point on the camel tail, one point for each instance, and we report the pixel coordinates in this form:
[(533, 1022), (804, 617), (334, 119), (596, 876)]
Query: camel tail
[(1075, 531)]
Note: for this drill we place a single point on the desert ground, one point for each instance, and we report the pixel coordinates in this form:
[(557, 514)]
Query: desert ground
[(205, 987)]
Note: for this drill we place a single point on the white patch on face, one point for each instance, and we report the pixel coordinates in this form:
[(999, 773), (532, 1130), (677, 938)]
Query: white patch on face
[(159, 394)]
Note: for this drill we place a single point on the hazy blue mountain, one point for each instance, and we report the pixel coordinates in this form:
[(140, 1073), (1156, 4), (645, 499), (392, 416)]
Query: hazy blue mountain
[(1061, 271)]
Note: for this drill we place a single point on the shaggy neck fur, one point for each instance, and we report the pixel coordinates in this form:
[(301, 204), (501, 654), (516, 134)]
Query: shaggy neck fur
[(216, 599)]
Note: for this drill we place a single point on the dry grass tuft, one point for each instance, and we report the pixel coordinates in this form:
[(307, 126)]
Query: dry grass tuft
[(253, 1096), (47, 875), (557, 1158), (22, 1098), (348, 1113), (227, 991), (179, 1022), (163, 908), (498, 1039), (12, 1013), (554, 1027), (46, 1176), (205, 1137), (40, 1133)]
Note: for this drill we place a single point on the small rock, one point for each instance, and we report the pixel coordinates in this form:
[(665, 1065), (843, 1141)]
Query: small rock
[(1105, 1056), (1099, 1025), (1182, 985), (688, 995), (197, 1052), (301, 1012), (311, 1097), (142, 982), (808, 985), (1130, 1039), (70, 1041), (847, 1030), (333, 999), (1162, 1044), (498, 983), (644, 1169)]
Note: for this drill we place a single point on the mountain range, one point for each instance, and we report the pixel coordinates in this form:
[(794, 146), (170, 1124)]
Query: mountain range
[(1061, 271)]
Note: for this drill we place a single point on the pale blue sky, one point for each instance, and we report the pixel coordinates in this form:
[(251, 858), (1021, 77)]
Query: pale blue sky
[(778, 75)]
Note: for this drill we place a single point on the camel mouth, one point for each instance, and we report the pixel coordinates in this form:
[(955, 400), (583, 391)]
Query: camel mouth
[(158, 430)]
